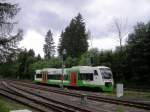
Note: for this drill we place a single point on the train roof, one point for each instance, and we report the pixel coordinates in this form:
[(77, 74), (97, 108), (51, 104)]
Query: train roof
[(48, 69), (81, 66), (102, 67), (84, 68), (38, 71), (89, 67)]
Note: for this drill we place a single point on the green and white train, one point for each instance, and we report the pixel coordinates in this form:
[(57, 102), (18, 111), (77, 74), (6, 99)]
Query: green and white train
[(77, 76)]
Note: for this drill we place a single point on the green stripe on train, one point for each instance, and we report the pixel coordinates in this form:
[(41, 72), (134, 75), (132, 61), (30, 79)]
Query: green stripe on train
[(79, 84)]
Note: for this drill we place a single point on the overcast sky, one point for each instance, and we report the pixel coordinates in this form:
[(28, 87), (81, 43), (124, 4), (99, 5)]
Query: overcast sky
[(38, 16)]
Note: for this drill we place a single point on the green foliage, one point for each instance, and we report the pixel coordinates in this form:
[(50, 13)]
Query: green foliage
[(74, 38), (69, 62), (3, 107), (138, 50), (84, 59), (52, 63), (9, 69), (39, 57), (119, 65), (25, 58)]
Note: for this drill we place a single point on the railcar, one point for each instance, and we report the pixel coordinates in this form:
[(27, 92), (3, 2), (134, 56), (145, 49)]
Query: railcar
[(77, 76)]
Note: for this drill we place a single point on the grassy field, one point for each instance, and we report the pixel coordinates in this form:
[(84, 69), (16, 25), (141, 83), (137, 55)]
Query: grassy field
[(12, 105), (133, 94), (3, 107), (144, 95)]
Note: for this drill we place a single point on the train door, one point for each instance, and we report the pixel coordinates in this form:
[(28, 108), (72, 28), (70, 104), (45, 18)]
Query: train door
[(44, 77), (73, 78)]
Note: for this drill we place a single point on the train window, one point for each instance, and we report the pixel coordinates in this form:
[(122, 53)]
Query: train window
[(86, 76), (38, 75), (95, 72), (65, 77), (106, 73), (54, 77), (49, 76), (57, 77)]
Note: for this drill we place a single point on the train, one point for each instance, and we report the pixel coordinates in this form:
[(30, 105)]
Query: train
[(77, 76)]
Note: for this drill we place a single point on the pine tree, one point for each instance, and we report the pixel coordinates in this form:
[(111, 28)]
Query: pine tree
[(74, 38), (61, 43), (138, 50), (8, 43), (39, 57), (49, 48)]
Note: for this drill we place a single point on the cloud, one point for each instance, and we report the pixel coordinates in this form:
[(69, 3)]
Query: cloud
[(38, 16), (104, 11), (33, 40), (105, 44)]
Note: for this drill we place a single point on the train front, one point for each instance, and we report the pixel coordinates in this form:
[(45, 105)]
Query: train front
[(107, 78)]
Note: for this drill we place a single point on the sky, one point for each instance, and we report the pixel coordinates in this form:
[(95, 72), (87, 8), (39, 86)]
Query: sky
[(36, 17)]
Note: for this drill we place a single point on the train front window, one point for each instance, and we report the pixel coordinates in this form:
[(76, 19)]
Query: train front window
[(106, 73)]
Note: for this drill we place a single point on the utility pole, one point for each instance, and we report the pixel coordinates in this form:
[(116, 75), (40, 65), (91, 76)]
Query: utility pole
[(63, 65)]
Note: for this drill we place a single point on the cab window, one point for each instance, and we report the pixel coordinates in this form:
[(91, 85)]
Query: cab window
[(38, 75), (95, 72)]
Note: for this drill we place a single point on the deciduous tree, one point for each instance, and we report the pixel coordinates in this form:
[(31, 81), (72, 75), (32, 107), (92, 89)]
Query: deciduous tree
[(8, 42)]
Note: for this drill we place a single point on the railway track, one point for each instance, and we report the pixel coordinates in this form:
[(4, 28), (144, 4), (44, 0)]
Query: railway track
[(92, 97), (146, 89), (37, 101), (22, 100)]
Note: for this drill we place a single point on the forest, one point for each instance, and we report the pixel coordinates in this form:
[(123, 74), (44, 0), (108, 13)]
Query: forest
[(129, 62)]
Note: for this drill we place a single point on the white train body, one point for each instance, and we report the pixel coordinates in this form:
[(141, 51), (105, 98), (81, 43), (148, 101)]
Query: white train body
[(78, 76)]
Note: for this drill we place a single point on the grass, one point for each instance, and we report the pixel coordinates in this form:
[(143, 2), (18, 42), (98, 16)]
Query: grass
[(119, 109), (132, 94), (3, 107), (144, 95), (12, 105)]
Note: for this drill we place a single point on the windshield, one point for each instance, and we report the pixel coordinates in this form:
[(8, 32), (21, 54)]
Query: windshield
[(106, 73)]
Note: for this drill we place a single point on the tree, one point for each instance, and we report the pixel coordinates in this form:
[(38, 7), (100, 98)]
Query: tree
[(9, 69), (49, 48), (118, 62), (51, 63), (74, 38), (138, 50), (120, 27), (8, 43), (39, 57), (61, 43), (25, 58)]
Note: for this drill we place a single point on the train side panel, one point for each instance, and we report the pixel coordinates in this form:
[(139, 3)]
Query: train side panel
[(80, 76)]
